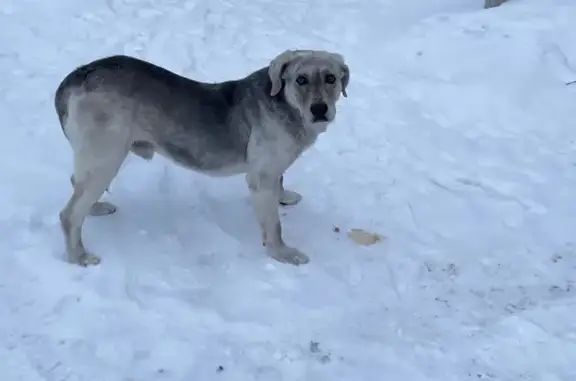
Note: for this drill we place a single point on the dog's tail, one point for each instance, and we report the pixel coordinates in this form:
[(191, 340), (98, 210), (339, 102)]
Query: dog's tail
[(74, 80), (61, 100)]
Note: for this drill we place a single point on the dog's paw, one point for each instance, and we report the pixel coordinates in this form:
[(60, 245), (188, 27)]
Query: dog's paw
[(102, 208), (288, 255), (289, 197), (84, 260)]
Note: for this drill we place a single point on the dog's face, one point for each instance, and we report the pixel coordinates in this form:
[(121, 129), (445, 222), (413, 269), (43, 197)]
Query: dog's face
[(312, 82)]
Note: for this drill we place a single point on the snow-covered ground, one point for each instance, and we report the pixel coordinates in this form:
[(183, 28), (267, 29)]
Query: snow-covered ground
[(456, 143)]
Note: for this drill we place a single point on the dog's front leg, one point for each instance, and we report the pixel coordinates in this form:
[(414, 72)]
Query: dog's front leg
[(265, 194), (288, 197)]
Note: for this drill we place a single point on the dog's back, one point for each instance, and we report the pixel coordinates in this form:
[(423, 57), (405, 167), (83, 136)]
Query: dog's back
[(148, 84)]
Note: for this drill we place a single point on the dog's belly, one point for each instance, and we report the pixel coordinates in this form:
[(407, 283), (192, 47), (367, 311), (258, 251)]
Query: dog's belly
[(213, 163)]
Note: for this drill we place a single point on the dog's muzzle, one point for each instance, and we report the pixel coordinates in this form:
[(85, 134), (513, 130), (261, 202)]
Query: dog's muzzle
[(319, 111)]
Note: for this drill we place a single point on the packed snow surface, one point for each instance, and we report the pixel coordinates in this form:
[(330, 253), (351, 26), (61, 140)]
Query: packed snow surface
[(456, 144)]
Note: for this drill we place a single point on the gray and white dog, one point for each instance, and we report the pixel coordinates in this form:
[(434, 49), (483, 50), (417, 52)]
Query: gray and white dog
[(257, 126)]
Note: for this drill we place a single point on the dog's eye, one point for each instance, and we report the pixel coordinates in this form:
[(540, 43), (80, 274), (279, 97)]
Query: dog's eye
[(301, 80), (330, 78)]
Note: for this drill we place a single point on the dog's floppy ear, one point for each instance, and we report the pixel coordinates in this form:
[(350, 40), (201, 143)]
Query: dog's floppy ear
[(345, 78), (278, 65)]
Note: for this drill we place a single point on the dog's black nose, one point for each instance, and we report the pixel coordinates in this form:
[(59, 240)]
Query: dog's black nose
[(319, 110)]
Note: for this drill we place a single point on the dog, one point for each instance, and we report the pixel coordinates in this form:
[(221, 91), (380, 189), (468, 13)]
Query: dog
[(257, 126)]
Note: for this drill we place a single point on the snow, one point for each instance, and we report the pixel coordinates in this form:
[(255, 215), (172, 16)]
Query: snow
[(456, 143)]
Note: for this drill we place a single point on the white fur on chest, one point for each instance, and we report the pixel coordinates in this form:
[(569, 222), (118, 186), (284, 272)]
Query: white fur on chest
[(273, 150)]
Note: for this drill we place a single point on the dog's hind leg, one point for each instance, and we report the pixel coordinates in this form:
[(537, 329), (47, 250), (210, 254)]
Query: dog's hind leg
[(90, 182), (99, 151), (288, 197), (99, 208)]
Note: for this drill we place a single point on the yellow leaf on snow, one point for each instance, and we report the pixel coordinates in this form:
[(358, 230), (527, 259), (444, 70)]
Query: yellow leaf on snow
[(362, 237)]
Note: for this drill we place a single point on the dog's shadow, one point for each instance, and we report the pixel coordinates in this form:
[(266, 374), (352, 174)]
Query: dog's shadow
[(235, 217), (195, 211)]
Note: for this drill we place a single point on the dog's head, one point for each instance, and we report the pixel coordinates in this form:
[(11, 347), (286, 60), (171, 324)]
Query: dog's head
[(312, 81)]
